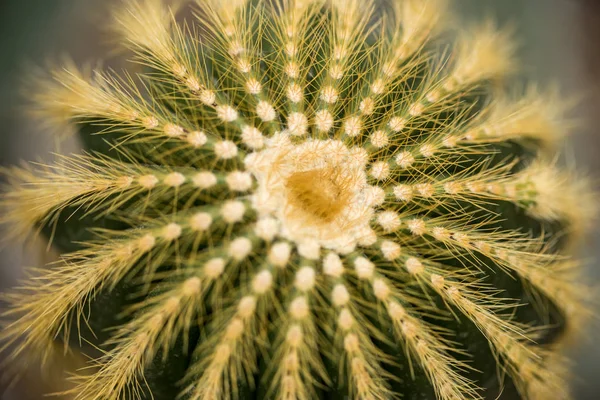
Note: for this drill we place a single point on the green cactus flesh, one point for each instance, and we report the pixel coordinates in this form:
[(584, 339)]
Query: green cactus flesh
[(302, 200)]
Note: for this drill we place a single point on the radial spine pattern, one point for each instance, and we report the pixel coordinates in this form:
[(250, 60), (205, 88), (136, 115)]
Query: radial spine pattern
[(312, 198)]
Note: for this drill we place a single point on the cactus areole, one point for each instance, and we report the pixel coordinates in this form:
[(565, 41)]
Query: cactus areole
[(302, 199)]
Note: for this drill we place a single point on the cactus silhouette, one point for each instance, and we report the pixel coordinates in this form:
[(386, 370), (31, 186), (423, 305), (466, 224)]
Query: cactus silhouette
[(303, 199)]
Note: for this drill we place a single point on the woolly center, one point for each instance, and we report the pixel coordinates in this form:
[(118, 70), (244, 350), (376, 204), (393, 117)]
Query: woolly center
[(321, 194), (316, 189)]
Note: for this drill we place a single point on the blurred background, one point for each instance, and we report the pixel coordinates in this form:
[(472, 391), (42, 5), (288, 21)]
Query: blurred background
[(559, 39)]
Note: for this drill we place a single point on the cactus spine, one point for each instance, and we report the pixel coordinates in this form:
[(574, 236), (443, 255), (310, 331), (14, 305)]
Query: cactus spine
[(309, 199)]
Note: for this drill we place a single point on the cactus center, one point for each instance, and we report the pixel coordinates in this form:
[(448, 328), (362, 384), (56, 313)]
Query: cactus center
[(316, 189), (320, 193)]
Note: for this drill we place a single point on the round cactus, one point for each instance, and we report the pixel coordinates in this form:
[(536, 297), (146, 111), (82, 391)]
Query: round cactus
[(303, 199)]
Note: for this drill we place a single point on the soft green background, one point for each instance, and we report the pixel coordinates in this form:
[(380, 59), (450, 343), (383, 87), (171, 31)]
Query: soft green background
[(550, 34)]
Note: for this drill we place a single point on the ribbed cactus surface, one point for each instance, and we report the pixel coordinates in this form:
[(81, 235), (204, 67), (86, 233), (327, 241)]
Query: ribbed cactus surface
[(303, 199)]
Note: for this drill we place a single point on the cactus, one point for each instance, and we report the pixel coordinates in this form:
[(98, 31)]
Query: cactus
[(303, 199)]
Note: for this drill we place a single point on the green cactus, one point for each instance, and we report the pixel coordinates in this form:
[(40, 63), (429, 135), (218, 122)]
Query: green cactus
[(303, 199)]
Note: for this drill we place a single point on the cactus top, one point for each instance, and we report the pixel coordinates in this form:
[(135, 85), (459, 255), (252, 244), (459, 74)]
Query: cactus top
[(313, 198)]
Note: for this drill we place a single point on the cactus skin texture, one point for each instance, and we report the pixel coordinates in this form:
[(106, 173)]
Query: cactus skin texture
[(303, 199)]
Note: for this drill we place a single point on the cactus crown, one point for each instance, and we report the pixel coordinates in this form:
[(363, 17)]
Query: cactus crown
[(307, 197)]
